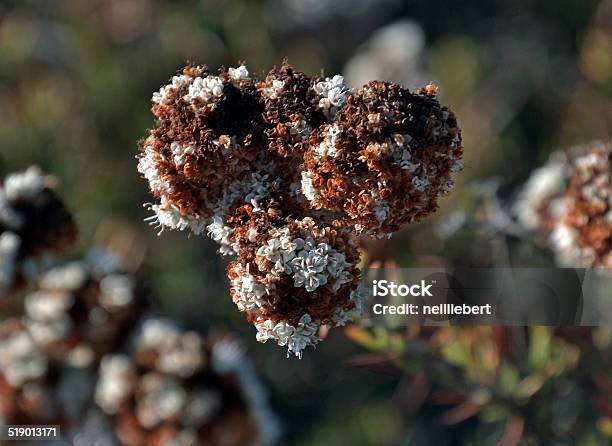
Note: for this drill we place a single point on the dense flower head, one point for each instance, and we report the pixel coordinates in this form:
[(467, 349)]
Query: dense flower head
[(162, 385), (34, 388), (206, 138), (173, 385), (386, 158), (78, 312), (255, 163), (292, 279), (34, 226), (569, 202)]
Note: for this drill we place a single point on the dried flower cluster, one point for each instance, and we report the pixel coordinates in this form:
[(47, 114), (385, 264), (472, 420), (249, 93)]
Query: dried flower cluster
[(174, 387), (285, 173), (79, 312), (84, 350), (34, 226), (168, 387), (569, 200)]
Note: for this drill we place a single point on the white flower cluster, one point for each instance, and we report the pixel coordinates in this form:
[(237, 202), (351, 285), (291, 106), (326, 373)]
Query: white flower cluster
[(275, 90), (328, 148), (316, 264), (396, 150), (180, 353), (239, 74), (311, 264), (564, 241), (178, 153), (333, 93), (205, 89), (249, 293), (168, 215), (163, 95), (154, 381), (252, 190), (308, 188), (569, 200), (20, 358), (165, 398), (147, 166), (296, 339), (70, 276)]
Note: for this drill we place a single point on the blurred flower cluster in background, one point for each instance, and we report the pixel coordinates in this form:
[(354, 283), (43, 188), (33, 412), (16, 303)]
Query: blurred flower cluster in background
[(524, 78)]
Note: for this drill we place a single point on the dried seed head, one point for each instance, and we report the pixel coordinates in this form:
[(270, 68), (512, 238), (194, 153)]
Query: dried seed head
[(34, 226), (254, 164), (77, 313), (175, 385), (386, 158), (569, 201)]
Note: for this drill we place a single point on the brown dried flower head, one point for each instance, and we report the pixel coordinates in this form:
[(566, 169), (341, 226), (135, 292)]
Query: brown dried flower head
[(175, 386), (34, 226), (286, 172), (569, 201), (386, 158)]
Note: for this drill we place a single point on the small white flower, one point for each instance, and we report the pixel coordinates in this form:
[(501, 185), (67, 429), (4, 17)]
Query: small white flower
[(275, 90), (48, 331), (333, 94), (162, 96), (420, 183), (169, 215), (205, 89), (220, 233), (179, 152), (295, 338), (147, 166), (328, 147), (250, 293), (238, 74), (309, 191)]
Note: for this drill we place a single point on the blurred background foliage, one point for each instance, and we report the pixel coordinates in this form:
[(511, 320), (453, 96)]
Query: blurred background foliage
[(524, 77)]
